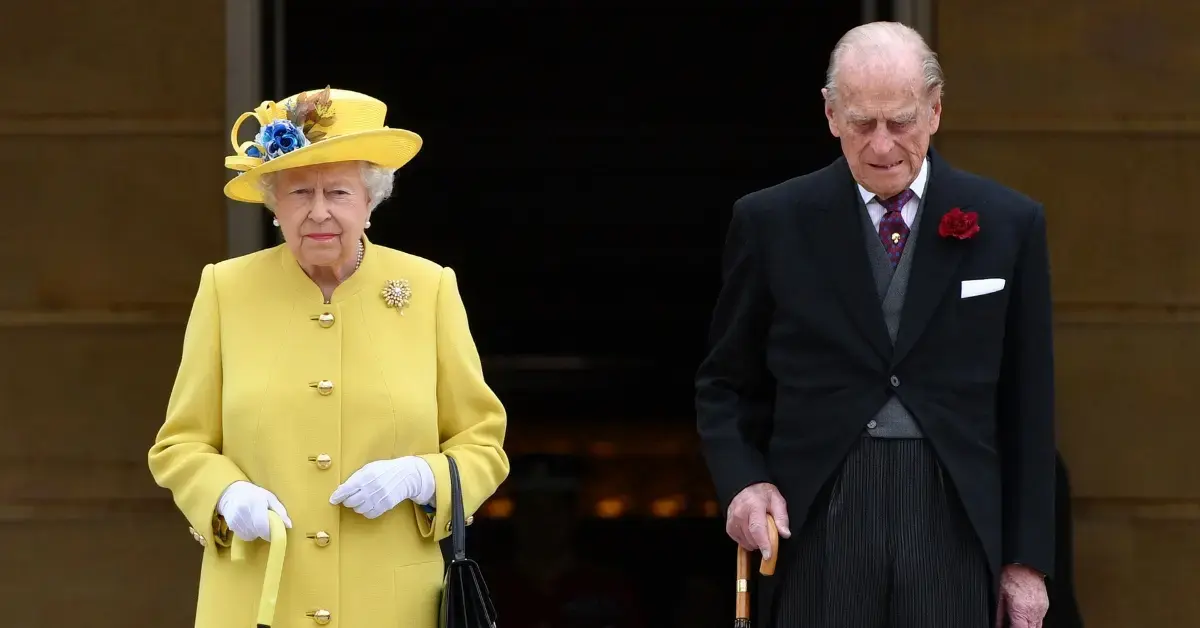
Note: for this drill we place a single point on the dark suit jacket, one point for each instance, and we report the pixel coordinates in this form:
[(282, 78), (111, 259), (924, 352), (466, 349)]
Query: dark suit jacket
[(800, 357)]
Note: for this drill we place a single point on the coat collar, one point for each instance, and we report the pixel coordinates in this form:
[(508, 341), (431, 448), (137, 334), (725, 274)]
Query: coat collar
[(836, 237), (307, 289), (935, 260)]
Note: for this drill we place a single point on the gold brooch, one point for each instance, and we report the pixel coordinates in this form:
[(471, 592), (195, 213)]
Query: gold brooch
[(397, 293)]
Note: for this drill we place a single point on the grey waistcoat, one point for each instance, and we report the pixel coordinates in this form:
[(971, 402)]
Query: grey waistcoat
[(893, 420)]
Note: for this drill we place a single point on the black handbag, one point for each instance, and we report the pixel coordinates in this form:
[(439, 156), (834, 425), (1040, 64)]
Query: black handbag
[(466, 602)]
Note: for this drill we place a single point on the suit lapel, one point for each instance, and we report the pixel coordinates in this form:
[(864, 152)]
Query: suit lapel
[(935, 258), (836, 239)]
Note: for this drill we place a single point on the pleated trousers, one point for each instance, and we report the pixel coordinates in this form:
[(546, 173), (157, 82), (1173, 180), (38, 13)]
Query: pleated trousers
[(886, 545)]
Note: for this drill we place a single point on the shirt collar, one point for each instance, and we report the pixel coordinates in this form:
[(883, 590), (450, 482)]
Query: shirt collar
[(917, 186)]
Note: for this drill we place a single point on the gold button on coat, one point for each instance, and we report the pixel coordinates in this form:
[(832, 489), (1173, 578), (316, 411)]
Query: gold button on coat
[(325, 320), (324, 461), (325, 387), (321, 616), (321, 538)]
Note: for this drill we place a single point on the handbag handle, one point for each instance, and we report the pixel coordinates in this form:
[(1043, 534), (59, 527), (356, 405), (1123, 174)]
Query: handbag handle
[(458, 517)]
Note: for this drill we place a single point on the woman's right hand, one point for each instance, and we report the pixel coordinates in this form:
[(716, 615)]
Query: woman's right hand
[(244, 507)]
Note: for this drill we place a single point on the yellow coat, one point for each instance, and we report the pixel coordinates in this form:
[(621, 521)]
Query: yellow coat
[(246, 406)]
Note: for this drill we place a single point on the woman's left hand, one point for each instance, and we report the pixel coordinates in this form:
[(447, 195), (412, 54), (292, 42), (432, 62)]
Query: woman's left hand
[(378, 486)]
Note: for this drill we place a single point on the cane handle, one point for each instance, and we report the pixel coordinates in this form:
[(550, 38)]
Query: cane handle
[(766, 567)]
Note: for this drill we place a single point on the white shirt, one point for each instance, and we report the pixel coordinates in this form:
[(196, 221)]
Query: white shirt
[(909, 211)]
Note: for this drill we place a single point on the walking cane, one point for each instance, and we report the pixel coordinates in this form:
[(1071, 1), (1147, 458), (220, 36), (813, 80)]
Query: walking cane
[(766, 568), (270, 588)]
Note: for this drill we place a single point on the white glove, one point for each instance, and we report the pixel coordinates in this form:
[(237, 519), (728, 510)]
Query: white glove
[(244, 507), (379, 486)]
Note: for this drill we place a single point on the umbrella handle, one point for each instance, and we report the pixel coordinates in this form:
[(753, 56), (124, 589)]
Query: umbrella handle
[(270, 589), (766, 567)]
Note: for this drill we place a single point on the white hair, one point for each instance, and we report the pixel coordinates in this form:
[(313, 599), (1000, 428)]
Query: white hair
[(888, 40), (377, 179)]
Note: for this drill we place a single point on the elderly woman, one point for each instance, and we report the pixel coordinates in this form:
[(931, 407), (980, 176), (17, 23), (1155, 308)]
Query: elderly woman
[(326, 379)]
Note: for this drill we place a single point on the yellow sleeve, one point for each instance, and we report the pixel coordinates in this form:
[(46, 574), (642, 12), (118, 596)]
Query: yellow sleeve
[(471, 419), (186, 456)]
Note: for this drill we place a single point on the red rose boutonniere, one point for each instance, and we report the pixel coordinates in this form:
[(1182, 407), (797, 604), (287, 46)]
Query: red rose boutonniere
[(959, 224)]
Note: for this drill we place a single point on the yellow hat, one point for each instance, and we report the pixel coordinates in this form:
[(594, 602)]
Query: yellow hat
[(315, 127)]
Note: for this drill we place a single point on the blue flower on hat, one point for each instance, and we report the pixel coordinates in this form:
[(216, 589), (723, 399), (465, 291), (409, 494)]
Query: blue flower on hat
[(279, 138)]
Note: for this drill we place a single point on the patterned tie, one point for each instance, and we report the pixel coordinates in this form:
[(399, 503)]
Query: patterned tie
[(892, 230)]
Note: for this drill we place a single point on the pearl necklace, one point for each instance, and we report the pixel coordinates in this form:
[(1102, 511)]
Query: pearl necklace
[(358, 256)]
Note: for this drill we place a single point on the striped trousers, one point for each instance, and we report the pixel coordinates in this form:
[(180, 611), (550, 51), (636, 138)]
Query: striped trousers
[(886, 545)]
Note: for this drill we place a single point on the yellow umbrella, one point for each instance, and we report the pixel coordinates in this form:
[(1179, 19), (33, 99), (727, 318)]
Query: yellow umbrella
[(270, 589)]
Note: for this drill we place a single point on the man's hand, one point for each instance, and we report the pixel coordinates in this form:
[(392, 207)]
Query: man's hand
[(746, 521), (1023, 597)]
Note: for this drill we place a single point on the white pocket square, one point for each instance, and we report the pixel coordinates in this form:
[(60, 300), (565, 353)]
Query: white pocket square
[(977, 287)]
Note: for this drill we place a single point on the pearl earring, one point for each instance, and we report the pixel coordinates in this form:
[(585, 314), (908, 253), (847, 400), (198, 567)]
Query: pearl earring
[(275, 221), (368, 225)]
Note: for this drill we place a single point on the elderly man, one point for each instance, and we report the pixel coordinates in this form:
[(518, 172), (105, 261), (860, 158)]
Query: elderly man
[(881, 370)]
